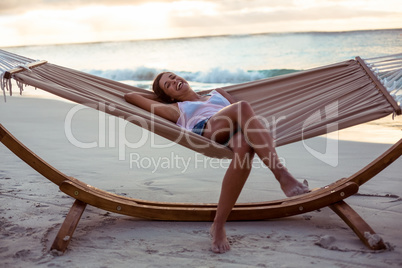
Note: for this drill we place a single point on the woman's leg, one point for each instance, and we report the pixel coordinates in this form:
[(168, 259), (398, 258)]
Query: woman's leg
[(233, 182), (241, 115)]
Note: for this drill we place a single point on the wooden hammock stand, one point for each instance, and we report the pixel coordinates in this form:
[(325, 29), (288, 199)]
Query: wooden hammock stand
[(331, 196)]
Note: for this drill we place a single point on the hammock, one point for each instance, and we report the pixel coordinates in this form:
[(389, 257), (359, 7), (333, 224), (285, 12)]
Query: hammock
[(299, 105), (293, 107)]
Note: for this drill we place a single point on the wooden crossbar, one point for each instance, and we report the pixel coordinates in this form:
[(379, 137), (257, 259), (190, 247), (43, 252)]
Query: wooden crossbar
[(380, 86), (31, 65)]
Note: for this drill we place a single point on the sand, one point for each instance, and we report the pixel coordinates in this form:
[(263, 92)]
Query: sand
[(32, 208)]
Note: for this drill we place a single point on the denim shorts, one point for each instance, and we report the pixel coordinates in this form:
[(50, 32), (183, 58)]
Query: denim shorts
[(199, 127)]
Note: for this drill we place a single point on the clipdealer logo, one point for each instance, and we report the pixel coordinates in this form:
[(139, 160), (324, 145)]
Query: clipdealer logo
[(330, 111), (116, 137)]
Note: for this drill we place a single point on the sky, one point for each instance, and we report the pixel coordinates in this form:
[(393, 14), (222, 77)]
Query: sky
[(38, 22)]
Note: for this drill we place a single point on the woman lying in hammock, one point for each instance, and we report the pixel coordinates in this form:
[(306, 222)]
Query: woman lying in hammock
[(220, 118)]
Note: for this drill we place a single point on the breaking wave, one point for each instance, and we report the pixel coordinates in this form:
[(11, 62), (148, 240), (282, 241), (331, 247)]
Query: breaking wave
[(214, 75)]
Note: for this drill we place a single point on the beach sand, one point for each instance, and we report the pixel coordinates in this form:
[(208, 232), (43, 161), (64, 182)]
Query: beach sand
[(32, 208)]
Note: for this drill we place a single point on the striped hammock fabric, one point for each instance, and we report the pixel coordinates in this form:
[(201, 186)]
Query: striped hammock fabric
[(293, 107)]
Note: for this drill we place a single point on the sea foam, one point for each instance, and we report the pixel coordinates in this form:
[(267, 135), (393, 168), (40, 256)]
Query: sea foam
[(214, 75)]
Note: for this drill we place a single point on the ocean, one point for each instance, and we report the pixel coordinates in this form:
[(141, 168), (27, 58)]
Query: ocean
[(217, 61), (210, 62)]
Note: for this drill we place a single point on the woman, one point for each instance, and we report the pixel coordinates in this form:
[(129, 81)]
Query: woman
[(221, 118)]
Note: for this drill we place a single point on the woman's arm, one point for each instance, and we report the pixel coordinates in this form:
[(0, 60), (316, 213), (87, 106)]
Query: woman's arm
[(149, 102), (226, 95)]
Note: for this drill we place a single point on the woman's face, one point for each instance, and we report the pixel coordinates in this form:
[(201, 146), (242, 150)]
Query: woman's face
[(173, 85)]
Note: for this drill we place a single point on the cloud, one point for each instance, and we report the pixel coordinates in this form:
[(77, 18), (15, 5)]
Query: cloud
[(10, 7), (44, 21), (230, 5), (85, 24), (265, 15)]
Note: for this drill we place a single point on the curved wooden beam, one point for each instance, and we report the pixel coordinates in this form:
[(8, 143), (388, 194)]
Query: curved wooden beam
[(206, 212), (29, 157), (377, 165), (331, 195), (66, 183)]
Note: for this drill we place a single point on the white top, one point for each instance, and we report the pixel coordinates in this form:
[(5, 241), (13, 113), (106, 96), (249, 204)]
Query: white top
[(192, 112)]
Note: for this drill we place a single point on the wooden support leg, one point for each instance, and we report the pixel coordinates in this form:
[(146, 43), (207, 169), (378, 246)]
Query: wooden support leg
[(358, 225), (68, 227)]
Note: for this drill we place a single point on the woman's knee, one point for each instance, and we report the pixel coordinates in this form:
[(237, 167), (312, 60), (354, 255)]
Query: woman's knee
[(244, 109)]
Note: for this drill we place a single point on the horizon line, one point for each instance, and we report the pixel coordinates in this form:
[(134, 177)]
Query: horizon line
[(202, 36)]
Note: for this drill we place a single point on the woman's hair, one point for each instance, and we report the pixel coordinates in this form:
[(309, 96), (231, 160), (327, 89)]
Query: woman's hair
[(159, 91)]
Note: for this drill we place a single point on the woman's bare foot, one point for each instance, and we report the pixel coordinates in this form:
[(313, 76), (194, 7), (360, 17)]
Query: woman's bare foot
[(290, 186), (220, 243)]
